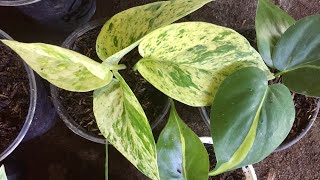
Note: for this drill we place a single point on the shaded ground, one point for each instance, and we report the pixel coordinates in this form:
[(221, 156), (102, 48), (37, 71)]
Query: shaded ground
[(61, 155)]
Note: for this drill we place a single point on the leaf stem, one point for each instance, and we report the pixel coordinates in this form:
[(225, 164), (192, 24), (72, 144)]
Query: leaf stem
[(117, 67), (107, 159), (279, 74)]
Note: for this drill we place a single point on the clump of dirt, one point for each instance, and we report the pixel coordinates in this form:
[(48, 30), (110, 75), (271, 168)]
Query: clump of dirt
[(79, 105), (14, 96)]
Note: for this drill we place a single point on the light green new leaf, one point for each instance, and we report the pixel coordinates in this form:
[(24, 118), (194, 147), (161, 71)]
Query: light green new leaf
[(249, 120), (297, 55), (124, 124), (2, 173), (124, 31), (271, 23), (181, 154), (62, 67), (188, 61)]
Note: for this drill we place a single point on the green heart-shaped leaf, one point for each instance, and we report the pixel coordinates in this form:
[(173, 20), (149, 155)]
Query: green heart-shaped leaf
[(249, 119), (2, 173), (62, 67), (297, 55), (124, 124), (181, 154), (188, 61), (124, 31), (271, 23)]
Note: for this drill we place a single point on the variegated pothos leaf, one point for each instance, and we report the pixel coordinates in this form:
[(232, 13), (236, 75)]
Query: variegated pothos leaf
[(2, 173), (62, 67), (124, 124), (124, 31), (249, 119), (188, 61)]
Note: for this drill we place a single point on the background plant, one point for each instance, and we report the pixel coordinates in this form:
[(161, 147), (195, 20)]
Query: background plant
[(249, 118)]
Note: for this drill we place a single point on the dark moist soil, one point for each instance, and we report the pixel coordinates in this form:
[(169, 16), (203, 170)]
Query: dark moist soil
[(232, 175), (14, 96), (79, 105)]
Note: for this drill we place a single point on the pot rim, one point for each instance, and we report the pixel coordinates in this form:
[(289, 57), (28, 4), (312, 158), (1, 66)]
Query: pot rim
[(17, 2), (283, 146), (31, 110), (248, 170), (67, 119)]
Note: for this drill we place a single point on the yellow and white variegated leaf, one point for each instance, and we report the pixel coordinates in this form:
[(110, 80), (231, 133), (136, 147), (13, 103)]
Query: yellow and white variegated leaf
[(124, 31), (188, 61), (2, 173), (124, 124), (62, 67)]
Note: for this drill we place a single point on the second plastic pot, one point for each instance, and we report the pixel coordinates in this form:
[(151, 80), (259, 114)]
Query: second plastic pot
[(63, 113)]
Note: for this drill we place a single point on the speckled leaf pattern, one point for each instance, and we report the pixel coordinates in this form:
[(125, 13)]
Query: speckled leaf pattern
[(124, 124), (124, 31), (62, 67), (297, 55), (181, 154), (249, 120), (271, 23), (2, 173), (188, 61)]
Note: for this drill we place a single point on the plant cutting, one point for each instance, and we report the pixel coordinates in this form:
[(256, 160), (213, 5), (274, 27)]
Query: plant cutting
[(203, 52), (249, 118), (271, 26)]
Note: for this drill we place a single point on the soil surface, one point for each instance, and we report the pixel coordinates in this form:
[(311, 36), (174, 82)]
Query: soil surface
[(79, 105), (299, 162), (14, 96)]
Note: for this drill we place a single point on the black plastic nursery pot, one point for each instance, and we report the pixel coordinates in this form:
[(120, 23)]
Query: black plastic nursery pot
[(83, 41), (63, 15), (17, 2), (40, 114), (291, 139)]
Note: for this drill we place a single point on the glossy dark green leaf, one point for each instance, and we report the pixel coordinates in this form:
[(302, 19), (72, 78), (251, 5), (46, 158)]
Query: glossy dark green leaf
[(271, 23), (181, 154), (297, 55), (249, 120)]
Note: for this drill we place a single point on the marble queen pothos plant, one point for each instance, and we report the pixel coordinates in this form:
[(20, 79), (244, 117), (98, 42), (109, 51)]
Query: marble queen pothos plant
[(188, 62)]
